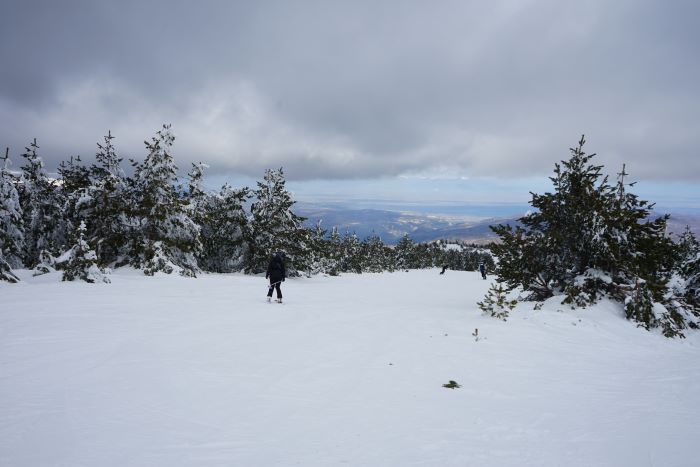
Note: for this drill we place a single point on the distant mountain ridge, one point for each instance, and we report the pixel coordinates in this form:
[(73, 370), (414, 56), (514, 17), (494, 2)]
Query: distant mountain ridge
[(391, 225)]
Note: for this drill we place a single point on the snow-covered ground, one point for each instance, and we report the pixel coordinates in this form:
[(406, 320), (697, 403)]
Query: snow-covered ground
[(170, 371)]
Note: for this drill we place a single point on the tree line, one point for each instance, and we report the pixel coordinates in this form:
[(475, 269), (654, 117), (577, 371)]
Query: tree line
[(94, 217), (586, 240)]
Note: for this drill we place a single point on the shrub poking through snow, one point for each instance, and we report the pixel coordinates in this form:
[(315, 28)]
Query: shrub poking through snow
[(157, 260), (496, 302), (47, 264), (6, 273)]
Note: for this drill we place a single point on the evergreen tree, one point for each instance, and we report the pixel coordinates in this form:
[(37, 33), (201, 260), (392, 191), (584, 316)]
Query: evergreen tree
[(195, 192), (320, 255), (425, 257), (376, 257), (689, 267), (496, 302), (274, 227), (352, 259), (224, 230), (589, 239), (11, 222), (334, 252), (110, 222), (166, 238), (81, 261), (41, 208), (405, 253), (75, 196), (195, 203)]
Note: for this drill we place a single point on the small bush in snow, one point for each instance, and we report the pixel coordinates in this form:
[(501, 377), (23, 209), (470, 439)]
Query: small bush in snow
[(496, 302), (6, 273), (81, 262), (157, 260), (47, 264)]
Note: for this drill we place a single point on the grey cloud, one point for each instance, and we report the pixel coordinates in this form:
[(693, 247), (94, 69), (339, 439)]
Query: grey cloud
[(359, 89)]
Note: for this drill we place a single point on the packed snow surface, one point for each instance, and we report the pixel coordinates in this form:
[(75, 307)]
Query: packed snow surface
[(171, 371)]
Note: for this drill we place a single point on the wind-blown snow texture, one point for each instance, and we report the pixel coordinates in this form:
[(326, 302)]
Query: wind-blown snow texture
[(172, 371)]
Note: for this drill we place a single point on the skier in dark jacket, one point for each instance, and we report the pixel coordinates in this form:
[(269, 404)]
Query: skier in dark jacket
[(482, 269), (276, 272)]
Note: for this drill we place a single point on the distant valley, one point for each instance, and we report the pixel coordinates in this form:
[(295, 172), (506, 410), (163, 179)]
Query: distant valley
[(392, 225)]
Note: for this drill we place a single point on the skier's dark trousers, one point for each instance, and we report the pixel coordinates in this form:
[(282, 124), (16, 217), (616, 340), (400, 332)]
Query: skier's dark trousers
[(276, 272)]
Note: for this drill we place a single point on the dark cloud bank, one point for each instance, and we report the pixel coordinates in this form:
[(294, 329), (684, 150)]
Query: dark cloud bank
[(361, 88)]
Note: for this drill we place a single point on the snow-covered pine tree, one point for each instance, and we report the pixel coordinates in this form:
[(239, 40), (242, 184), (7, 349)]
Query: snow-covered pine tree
[(334, 250), (195, 199), (166, 239), (376, 256), (11, 222), (425, 257), (80, 262), (558, 239), (11, 235), (689, 267), (110, 220), (224, 230), (640, 258), (41, 208), (320, 260), (75, 194), (351, 260), (195, 189), (588, 239), (275, 227), (405, 253)]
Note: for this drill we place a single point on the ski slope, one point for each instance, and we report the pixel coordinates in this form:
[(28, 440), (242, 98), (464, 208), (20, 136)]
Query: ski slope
[(170, 371)]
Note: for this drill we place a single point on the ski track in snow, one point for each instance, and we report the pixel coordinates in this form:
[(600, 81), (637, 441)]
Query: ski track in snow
[(171, 371)]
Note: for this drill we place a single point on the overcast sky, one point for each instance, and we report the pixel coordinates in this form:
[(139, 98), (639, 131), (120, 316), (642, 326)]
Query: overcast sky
[(331, 90)]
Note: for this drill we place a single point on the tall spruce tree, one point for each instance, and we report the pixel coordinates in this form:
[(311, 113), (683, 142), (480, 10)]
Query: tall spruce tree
[(588, 239), (195, 197), (109, 225), (275, 227), (11, 235), (75, 194), (166, 239), (11, 222), (41, 208)]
